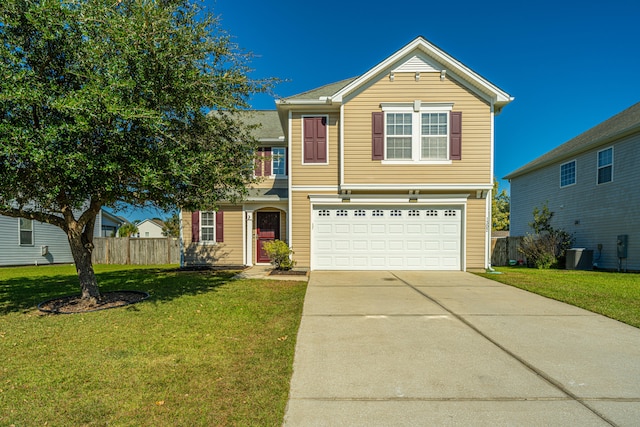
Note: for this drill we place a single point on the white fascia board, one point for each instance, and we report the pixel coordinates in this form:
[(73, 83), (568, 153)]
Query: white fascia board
[(325, 100), (449, 63), (314, 188), (429, 187)]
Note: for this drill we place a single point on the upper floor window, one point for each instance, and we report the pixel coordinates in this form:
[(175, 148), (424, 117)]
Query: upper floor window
[(399, 136), (605, 165), (568, 173), (435, 136), (279, 161), (416, 132), (271, 161), (314, 140), (26, 232)]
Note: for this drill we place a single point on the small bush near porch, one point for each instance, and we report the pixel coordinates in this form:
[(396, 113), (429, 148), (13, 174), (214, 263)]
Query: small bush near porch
[(615, 295), (204, 349)]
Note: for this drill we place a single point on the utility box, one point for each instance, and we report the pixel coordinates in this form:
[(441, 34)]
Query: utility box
[(621, 246), (44, 250), (579, 259)]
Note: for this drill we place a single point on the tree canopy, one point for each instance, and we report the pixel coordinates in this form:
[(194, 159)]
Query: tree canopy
[(106, 103), (500, 208)]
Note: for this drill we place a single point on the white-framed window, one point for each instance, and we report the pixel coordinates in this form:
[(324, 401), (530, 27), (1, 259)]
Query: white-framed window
[(417, 132), (399, 136), (207, 227), (435, 136), (25, 232), (568, 173), (605, 165), (279, 161)]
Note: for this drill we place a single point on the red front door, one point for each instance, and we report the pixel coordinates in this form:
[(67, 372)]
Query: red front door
[(267, 228)]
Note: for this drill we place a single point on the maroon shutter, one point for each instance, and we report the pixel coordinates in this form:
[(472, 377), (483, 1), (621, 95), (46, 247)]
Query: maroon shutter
[(259, 161), (377, 136), (219, 226), (195, 226), (267, 161), (455, 136), (309, 140), (321, 139), (315, 139)]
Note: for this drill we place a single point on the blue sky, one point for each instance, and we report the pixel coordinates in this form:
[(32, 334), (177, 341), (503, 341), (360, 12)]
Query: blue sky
[(569, 64)]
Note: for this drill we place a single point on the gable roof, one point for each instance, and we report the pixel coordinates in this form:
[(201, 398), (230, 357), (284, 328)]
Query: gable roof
[(154, 221), (616, 127), (417, 51)]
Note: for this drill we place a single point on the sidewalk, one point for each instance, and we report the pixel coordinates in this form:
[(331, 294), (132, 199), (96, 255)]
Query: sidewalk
[(452, 348), (263, 272)]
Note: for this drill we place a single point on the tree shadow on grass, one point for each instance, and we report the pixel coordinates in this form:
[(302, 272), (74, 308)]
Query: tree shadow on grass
[(23, 294)]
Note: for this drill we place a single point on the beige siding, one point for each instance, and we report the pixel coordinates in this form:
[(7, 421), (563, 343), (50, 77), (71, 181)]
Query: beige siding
[(301, 229), (228, 252), (475, 233), (475, 166), (313, 174)]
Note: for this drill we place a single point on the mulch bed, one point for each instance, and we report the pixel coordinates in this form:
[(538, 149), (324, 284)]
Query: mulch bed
[(75, 304)]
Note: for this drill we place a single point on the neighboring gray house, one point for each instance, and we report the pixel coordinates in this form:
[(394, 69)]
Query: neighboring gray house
[(27, 242), (108, 224), (592, 184)]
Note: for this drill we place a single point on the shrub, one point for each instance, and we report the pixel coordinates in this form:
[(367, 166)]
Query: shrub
[(279, 254), (547, 247)]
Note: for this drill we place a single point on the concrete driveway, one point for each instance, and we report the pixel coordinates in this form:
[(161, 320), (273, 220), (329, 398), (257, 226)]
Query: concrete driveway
[(452, 348)]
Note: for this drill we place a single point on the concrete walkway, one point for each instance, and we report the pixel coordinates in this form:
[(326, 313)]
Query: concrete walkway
[(452, 348)]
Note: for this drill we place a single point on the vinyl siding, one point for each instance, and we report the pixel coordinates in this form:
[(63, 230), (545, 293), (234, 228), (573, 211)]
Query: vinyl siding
[(228, 252), (301, 228), (314, 174), (11, 253), (475, 233), (475, 166), (595, 214)]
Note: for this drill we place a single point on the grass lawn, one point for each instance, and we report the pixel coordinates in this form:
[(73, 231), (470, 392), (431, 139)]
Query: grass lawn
[(615, 295), (203, 350)]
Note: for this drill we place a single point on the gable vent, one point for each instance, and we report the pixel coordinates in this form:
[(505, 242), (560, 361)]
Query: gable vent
[(417, 64)]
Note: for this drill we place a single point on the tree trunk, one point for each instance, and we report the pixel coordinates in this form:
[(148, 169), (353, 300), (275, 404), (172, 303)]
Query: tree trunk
[(81, 248)]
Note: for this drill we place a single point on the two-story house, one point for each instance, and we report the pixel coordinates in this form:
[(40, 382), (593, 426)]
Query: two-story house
[(391, 170), (590, 183)]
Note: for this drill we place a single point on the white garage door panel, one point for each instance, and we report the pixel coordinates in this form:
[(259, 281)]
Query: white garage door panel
[(385, 237)]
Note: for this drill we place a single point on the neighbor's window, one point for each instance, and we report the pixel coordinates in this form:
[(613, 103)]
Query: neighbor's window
[(605, 165), (279, 159), (207, 226), (568, 174), (26, 232)]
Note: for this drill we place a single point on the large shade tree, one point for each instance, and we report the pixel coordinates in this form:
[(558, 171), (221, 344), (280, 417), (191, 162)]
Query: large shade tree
[(114, 102)]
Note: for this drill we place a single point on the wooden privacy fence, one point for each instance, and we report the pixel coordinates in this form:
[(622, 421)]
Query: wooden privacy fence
[(504, 249), (139, 251)]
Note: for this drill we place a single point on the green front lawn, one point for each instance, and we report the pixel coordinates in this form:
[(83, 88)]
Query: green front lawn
[(615, 295), (204, 349)]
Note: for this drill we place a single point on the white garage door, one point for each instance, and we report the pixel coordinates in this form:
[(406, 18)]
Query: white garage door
[(386, 238)]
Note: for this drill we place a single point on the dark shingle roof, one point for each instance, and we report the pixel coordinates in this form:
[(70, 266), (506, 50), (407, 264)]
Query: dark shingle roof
[(270, 127), (326, 90), (620, 125)]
